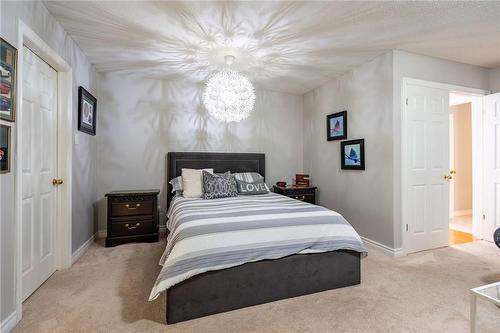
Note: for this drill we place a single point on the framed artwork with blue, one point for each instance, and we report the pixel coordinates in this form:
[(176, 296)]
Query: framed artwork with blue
[(352, 154), (336, 126), (8, 67)]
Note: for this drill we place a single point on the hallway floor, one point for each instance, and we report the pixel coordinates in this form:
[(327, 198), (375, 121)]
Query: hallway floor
[(461, 230)]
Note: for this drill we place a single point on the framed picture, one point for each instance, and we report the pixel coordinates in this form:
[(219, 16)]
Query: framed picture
[(336, 126), (87, 111), (8, 66), (352, 154), (5, 149)]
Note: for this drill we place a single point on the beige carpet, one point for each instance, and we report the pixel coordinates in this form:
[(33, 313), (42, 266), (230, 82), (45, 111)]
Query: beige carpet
[(107, 290)]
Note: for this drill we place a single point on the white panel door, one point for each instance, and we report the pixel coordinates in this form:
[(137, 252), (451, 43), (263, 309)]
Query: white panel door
[(427, 161), (491, 105), (39, 162)]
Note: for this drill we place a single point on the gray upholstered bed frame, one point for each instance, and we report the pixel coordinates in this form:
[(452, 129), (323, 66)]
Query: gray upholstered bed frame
[(257, 282)]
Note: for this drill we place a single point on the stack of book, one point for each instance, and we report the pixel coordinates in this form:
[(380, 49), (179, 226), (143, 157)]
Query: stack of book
[(302, 180)]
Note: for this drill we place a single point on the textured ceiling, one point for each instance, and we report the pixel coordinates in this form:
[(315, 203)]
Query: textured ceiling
[(282, 46)]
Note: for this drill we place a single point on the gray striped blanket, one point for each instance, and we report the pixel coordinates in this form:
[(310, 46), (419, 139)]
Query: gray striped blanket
[(207, 235)]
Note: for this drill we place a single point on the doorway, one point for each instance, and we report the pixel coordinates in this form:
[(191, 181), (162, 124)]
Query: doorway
[(436, 196), (461, 186)]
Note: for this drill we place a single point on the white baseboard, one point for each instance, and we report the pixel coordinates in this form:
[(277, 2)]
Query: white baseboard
[(103, 233), (398, 252), (82, 249), (9, 323), (462, 212)]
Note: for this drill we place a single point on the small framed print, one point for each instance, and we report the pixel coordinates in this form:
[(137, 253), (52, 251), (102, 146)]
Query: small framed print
[(352, 154), (336, 126), (87, 111), (5, 149), (8, 67)]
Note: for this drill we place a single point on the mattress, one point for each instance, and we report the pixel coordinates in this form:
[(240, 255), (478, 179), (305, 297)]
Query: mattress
[(207, 235)]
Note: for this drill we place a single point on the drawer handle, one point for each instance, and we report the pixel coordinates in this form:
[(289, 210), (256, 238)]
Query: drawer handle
[(300, 198), (128, 226), (132, 208)]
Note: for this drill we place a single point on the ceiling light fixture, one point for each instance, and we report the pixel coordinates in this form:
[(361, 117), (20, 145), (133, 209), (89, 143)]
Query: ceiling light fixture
[(229, 96)]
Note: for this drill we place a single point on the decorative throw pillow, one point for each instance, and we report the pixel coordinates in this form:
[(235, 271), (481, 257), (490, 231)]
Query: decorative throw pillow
[(176, 184), (192, 185), (248, 176), (218, 186), (256, 187)]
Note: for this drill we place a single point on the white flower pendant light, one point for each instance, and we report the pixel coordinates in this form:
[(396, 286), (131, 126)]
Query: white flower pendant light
[(229, 96)]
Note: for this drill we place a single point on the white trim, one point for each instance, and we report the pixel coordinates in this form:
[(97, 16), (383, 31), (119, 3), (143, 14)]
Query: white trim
[(477, 172), (9, 323), (462, 212), (82, 249), (393, 252), (62, 240), (104, 233), (101, 233)]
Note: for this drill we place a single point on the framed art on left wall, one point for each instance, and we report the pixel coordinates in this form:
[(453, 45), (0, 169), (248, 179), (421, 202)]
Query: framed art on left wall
[(8, 67), (5, 148), (87, 111)]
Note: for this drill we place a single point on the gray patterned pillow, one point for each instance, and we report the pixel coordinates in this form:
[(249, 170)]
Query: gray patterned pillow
[(218, 186)]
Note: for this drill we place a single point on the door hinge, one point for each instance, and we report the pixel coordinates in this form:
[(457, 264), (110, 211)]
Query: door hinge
[(407, 101), (407, 227)]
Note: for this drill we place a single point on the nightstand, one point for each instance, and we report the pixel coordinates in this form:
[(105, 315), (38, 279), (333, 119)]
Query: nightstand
[(132, 217), (307, 194)]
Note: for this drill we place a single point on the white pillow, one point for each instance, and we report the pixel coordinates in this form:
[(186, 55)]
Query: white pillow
[(192, 184)]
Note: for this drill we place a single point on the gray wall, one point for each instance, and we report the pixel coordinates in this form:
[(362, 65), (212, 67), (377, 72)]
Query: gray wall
[(36, 16), (364, 198), (494, 80), (141, 119)]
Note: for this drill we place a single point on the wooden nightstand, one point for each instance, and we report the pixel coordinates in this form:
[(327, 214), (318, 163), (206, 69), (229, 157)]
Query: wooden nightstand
[(132, 217), (307, 194)]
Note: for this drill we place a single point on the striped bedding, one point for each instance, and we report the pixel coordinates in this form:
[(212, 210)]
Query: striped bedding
[(207, 235)]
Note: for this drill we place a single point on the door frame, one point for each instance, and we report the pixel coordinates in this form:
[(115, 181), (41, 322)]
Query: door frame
[(62, 241), (477, 153)]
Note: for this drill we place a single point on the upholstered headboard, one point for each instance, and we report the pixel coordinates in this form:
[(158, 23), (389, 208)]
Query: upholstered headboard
[(220, 162)]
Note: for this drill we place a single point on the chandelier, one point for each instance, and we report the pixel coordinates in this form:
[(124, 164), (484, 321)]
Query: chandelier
[(229, 96)]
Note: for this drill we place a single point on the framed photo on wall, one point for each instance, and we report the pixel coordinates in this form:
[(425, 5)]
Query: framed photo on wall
[(352, 154), (8, 67), (5, 148), (336, 126), (87, 111)]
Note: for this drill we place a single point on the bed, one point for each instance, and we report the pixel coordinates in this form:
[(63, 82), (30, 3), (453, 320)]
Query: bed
[(221, 254)]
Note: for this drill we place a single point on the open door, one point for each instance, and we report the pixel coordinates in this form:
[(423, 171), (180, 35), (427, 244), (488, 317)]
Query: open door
[(491, 104), (426, 167)]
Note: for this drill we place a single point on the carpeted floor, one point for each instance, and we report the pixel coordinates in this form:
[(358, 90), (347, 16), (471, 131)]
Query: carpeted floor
[(107, 291)]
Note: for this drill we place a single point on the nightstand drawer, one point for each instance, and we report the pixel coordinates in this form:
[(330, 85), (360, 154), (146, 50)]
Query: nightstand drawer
[(131, 208), (303, 197), (131, 228)]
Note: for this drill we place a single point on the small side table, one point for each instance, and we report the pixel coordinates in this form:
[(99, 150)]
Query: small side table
[(489, 292), (307, 194), (132, 217)]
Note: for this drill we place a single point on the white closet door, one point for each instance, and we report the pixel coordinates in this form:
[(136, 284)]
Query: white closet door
[(427, 161), (39, 162), (491, 105)]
